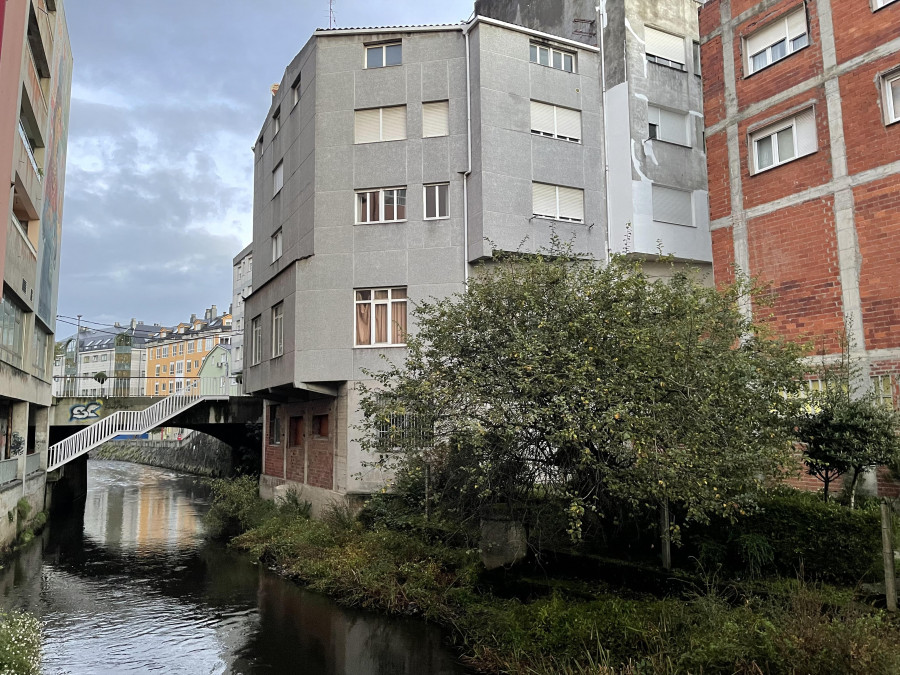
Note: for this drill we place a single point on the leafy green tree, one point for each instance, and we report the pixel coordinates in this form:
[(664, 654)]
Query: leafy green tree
[(555, 381)]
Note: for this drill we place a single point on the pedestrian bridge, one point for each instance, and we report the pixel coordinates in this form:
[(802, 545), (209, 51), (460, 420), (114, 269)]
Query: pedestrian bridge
[(78, 425)]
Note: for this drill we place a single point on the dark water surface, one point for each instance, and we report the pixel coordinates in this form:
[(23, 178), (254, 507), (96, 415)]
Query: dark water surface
[(133, 587)]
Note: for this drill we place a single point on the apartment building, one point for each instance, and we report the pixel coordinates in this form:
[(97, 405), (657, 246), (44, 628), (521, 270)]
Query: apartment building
[(242, 286), (35, 83), (802, 104), (393, 160), (175, 354)]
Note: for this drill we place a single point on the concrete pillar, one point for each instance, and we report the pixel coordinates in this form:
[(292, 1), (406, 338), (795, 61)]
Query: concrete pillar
[(18, 436), (42, 433)]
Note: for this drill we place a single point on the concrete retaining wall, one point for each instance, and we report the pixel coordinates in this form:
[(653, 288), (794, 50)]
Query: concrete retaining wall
[(199, 454), (10, 494)]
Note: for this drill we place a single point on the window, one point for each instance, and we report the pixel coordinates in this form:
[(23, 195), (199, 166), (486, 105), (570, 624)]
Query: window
[(396, 431), (181, 348), (255, 341), (179, 368), (164, 386), (320, 426), (295, 430), (166, 368), (776, 40), (157, 370), (557, 202), (668, 125), (276, 121), (189, 364), (156, 389), (552, 57), (273, 435), (892, 97), (295, 97), (103, 357), (671, 205), (209, 344), (696, 54), (380, 124), (277, 245), (157, 352), (436, 197), (884, 390), (278, 178), (435, 119), (555, 122), (196, 363), (94, 358), (786, 140), (381, 206), (86, 359), (381, 316), (166, 351), (381, 56), (278, 329), (664, 49), (190, 347), (882, 3)]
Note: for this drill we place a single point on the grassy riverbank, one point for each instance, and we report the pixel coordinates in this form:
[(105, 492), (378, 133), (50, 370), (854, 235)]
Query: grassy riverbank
[(20, 644), (562, 626)]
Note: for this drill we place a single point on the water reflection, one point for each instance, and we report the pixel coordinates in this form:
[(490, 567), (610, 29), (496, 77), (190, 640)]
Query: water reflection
[(131, 586)]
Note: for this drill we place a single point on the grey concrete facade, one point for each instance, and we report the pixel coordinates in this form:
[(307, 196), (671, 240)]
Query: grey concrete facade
[(242, 286), (310, 255)]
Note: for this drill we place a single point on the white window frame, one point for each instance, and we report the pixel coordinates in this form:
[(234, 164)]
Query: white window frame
[(381, 138), (276, 122), (278, 178), (439, 203), (277, 244), (381, 192), (661, 60), (773, 134), (789, 47), (555, 133), (557, 215), (878, 4), (665, 137), (430, 109), (295, 99), (256, 340), (534, 56), (383, 47), (890, 82), (372, 302), (278, 330)]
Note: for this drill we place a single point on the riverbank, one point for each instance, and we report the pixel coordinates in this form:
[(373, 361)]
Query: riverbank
[(562, 625), (20, 643)]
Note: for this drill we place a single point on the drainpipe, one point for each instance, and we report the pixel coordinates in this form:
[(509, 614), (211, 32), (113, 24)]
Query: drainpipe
[(468, 172), (601, 21)]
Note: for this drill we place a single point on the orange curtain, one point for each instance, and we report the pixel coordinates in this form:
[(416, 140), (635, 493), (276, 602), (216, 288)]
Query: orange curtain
[(363, 329), (398, 311), (381, 328)]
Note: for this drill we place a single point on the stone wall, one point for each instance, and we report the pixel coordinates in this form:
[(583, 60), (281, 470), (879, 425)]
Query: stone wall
[(199, 454), (10, 494)]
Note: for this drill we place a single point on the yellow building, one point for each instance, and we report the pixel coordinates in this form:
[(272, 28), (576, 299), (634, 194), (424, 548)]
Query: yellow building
[(174, 355)]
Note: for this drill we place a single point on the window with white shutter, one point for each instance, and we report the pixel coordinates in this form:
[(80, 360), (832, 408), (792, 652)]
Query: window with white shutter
[(891, 89), (664, 48), (435, 119), (380, 124), (278, 178), (776, 40), (668, 125), (786, 140), (672, 206), (554, 121), (557, 202)]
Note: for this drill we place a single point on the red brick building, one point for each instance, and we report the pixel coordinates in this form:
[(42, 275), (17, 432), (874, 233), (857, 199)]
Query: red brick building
[(802, 108)]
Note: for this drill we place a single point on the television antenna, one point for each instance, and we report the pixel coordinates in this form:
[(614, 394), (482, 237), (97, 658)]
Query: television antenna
[(331, 21)]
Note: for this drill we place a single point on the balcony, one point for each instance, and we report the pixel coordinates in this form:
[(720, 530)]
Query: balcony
[(35, 91), (28, 175), (21, 261)]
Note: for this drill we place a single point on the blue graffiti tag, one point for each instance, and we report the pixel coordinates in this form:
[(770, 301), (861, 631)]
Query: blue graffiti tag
[(85, 411)]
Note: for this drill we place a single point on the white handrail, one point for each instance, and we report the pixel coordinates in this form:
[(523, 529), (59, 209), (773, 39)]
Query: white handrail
[(130, 422)]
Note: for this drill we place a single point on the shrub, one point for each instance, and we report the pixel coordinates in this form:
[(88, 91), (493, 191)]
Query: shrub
[(20, 644), (235, 506)]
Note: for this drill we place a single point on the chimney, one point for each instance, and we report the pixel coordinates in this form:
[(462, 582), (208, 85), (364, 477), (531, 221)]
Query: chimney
[(213, 312), (206, 314), (193, 318), (134, 323), (116, 324), (275, 88)]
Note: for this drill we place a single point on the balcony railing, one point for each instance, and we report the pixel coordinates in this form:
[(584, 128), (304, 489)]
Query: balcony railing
[(32, 463), (8, 470), (29, 150)]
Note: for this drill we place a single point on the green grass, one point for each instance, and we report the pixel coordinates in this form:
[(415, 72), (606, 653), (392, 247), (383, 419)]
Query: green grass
[(20, 644)]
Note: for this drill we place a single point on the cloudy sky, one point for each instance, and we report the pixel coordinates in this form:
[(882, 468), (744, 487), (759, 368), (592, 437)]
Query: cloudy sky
[(167, 99)]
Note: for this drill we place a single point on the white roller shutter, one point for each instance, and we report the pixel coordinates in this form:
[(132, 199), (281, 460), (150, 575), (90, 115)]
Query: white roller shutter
[(672, 206), (796, 24), (805, 128), (673, 126), (571, 203), (543, 199), (665, 45), (542, 118), (769, 35), (435, 119), (393, 123), (568, 123), (367, 126)]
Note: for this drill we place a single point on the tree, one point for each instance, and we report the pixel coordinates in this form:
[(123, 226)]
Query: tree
[(555, 381), (844, 428), (100, 378)]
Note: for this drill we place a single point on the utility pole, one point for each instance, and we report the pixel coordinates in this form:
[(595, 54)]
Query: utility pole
[(331, 21), (77, 342)]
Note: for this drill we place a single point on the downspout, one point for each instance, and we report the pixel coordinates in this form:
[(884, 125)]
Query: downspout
[(601, 24), (468, 170)]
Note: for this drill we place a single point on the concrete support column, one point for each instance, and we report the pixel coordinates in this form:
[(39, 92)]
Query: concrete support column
[(42, 433), (18, 435)]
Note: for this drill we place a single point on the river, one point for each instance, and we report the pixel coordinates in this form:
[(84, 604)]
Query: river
[(132, 586)]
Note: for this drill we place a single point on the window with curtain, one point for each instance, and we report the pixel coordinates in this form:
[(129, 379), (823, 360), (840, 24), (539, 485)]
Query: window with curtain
[(380, 124), (892, 97), (786, 140), (387, 205), (380, 316), (776, 40)]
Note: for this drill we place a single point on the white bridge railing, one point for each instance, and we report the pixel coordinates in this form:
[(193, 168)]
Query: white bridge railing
[(134, 422)]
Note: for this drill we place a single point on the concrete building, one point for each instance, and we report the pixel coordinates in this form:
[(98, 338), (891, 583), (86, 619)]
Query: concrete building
[(35, 83), (242, 286), (392, 160), (174, 354), (802, 104)]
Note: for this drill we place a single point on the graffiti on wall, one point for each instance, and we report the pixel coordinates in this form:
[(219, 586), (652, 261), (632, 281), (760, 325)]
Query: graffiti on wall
[(85, 411), (16, 444)]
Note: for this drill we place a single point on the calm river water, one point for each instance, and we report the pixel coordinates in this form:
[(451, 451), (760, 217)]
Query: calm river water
[(131, 586)]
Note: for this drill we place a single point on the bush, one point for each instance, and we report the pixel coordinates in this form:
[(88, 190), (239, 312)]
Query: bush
[(236, 506), (20, 644), (793, 532)]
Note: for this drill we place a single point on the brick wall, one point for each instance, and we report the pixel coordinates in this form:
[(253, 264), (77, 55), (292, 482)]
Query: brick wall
[(310, 458), (719, 178), (274, 461), (709, 20), (321, 462), (796, 249), (713, 81), (869, 142), (723, 255), (857, 29)]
